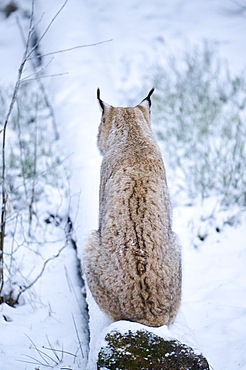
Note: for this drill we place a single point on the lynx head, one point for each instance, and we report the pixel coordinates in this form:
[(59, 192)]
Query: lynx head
[(114, 119)]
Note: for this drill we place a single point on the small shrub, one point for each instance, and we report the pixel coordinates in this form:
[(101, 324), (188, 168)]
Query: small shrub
[(32, 176), (199, 117), (31, 153)]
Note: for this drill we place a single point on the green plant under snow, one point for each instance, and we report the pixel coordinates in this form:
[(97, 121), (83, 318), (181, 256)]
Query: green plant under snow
[(199, 116)]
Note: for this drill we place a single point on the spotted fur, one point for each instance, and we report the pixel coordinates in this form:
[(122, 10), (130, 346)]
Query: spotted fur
[(133, 261)]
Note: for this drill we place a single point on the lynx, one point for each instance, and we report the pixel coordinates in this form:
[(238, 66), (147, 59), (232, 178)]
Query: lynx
[(133, 261)]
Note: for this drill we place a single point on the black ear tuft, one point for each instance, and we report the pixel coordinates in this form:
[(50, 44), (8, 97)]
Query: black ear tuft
[(99, 99), (98, 93), (149, 95), (146, 102)]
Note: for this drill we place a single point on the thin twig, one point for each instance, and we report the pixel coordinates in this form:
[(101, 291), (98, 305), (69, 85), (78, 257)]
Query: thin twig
[(24, 80), (22, 156), (74, 48), (37, 73), (40, 83), (41, 69), (77, 334), (53, 350), (59, 350), (50, 24), (41, 272), (34, 180), (38, 351), (35, 361)]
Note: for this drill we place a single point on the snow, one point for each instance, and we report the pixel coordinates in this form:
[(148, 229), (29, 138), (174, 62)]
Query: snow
[(213, 315), (214, 288)]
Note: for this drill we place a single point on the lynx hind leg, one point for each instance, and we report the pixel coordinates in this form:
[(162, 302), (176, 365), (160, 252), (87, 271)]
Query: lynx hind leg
[(91, 255), (94, 268), (89, 265)]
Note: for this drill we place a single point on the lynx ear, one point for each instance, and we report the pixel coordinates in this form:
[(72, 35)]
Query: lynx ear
[(146, 102), (102, 104)]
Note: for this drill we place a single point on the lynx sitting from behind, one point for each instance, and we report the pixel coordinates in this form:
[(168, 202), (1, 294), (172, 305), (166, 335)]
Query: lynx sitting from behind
[(133, 262)]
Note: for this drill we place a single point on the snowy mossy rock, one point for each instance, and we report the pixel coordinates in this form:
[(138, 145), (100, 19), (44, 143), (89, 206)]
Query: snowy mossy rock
[(145, 350)]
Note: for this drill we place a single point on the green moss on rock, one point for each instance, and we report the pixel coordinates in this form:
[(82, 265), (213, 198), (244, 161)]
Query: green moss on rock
[(145, 350)]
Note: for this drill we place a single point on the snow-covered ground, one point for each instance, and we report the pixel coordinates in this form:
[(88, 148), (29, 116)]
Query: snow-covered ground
[(214, 288)]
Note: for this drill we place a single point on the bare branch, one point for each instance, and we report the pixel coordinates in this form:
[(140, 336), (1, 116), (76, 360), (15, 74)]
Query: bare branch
[(40, 83), (50, 24), (75, 47), (53, 350), (24, 80), (42, 354), (4, 192), (24, 289), (77, 334), (58, 350)]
